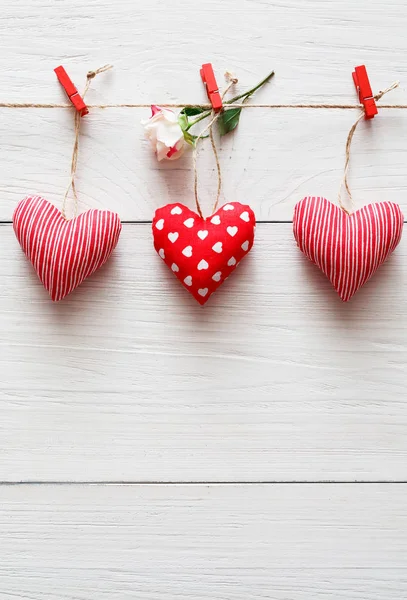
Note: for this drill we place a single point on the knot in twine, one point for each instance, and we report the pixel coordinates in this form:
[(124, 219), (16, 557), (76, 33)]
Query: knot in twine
[(213, 118), (74, 161), (344, 181)]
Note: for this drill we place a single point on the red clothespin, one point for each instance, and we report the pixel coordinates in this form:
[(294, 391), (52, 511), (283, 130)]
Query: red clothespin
[(362, 84), (71, 91), (212, 89)]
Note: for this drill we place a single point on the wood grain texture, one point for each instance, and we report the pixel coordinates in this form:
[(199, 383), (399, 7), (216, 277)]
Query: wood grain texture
[(272, 161), (130, 379), (275, 380), (306, 542), (157, 49)]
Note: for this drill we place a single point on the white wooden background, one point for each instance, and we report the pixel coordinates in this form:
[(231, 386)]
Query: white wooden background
[(256, 448)]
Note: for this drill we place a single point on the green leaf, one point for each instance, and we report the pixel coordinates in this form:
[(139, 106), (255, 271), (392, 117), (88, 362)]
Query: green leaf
[(190, 111), (228, 120)]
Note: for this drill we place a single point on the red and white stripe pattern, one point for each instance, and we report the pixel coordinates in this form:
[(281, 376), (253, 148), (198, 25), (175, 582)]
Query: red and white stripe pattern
[(64, 252), (347, 248)]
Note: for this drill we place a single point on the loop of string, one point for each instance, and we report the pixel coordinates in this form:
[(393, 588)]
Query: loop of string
[(213, 118), (344, 181), (74, 161)]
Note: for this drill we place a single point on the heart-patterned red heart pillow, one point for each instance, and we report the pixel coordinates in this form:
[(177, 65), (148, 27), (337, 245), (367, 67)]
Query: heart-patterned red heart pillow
[(348, 248), (200, 252), (64, 252)]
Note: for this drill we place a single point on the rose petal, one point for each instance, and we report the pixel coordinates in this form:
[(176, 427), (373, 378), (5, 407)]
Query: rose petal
[(180, 147), (161, 150), (155, 109), (169, 133), (173, 150)]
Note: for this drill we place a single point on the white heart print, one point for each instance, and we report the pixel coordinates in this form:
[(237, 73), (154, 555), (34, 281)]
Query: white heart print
[(174, 268), (187, 251), (245, 245), (173, 236), (202, 234), (203, 291), (216, 220), (202, 265), (160, 224), (232, 230), (189, 222), (231, 261), (188, 280), (176, 210), (217, 247), (228, 207), (245, 216), (161, 253), (217, 276)]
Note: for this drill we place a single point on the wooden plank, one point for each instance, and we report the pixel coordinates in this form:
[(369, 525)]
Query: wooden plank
[(130, 379), (274, 159), (196, 542), (157, 52)]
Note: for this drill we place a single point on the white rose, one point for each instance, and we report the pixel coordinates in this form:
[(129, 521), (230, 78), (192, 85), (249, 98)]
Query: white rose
[(165, 133)]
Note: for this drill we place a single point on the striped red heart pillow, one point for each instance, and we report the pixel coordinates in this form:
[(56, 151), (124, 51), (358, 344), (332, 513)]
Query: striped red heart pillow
[(64, 252), (348, 248)]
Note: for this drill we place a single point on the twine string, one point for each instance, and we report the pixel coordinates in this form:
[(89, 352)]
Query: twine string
[(196, 105), (209, 127), (344, 181), (214, 117), (74, 161)]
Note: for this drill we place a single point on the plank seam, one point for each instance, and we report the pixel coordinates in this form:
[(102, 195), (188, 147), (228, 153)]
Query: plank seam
[(150, 222), (206, 482)]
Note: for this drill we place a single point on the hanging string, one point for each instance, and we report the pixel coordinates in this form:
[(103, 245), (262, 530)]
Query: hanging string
[(351, 133), (213, 118), (78, 119)]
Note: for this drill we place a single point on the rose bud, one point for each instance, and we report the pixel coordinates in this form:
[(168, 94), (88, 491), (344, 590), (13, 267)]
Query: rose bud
[(165, 133)]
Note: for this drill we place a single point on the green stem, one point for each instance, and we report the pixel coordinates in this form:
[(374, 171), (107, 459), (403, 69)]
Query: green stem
[(202, 116), (254, 89), (245, 95)]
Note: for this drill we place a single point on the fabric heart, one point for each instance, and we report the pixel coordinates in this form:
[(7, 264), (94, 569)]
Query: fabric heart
[(63, 252), (202, 253), (347, 248)]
